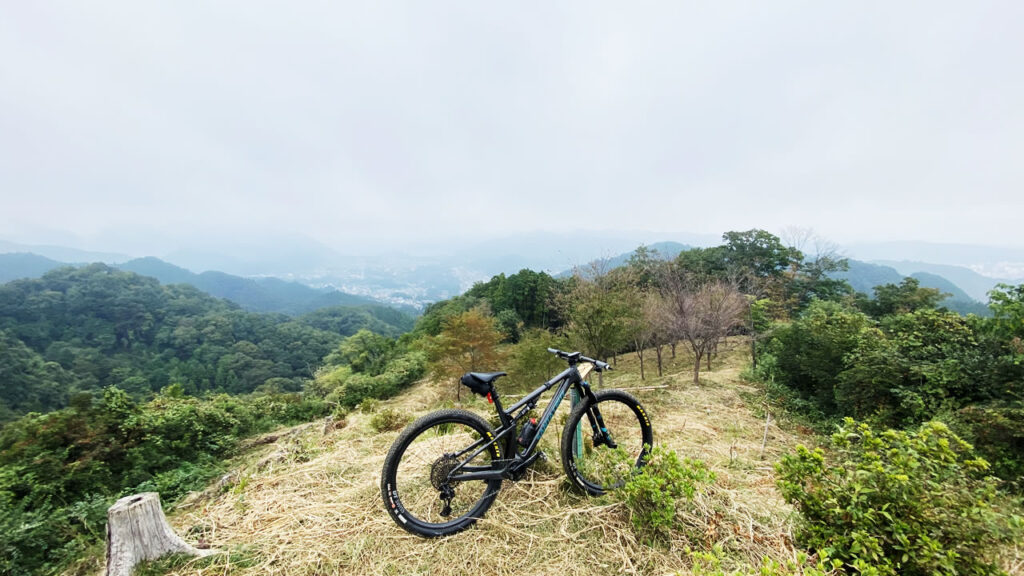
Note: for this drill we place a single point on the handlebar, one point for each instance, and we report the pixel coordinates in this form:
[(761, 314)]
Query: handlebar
[(574, 357)]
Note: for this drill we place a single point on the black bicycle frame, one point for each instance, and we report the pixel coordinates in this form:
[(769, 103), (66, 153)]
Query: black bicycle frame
[(509, 419)]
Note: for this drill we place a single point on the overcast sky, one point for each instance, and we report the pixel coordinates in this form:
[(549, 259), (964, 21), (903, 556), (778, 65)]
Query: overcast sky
[(371, 121)]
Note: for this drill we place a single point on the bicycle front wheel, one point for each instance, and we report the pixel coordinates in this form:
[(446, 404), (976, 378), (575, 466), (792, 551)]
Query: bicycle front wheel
[(416, 481), (596, 459)]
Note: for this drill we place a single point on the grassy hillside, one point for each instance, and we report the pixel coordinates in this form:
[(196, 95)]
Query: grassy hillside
[(311, 503)]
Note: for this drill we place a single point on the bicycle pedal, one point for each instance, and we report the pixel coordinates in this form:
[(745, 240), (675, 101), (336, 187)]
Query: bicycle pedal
[(541, 455)]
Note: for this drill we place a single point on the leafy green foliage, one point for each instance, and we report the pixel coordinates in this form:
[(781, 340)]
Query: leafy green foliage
[(530, 363), (815, 279), (350, 389), (365, 352), (468, 342), (367, 366), (758, 253), (905, 369), (85, 329), (652, 494), (898, 503), (30, 383), (808, 354), (925, 363), (704, 264), (60, 471), (434, 317), (348, 320), (997, 430), (597, 307), (907, 296), (529, 295), (763, 267), (710, 563)]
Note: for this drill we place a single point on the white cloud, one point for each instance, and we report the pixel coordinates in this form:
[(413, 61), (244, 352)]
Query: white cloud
[(407, 121)]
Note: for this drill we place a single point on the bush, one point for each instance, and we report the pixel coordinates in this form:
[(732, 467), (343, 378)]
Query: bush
[(60, 471), (710, 564), (651, 495), (349, 388), (389, 419), (809, 354), (908, 503)]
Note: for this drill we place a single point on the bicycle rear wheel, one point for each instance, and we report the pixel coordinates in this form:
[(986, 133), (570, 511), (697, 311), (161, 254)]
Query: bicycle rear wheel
[(597, 462), (415, 485)]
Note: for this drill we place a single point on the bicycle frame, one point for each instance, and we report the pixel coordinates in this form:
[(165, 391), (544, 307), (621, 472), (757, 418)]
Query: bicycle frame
[(567, 379)]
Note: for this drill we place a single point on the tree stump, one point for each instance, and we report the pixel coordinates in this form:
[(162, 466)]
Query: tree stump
[(137, 530)]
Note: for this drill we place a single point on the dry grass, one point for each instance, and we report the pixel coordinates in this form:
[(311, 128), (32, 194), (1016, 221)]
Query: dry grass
[(318, 510)]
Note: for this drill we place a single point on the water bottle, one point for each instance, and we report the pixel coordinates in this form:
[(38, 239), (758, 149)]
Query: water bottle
[(528, 432)]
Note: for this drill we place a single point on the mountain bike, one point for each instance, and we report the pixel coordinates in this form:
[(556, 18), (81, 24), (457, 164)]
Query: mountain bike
[(445, 469)]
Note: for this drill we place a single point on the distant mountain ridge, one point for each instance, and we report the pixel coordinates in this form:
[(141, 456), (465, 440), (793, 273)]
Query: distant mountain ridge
[(974, 284), (62, 253), (253, 294), (18, 265)]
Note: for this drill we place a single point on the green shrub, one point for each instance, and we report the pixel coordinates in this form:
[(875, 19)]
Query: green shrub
[(389, 419), (651, 495), (60, 471), (349, 388), (710, 564), (907, 503), (808, 354)]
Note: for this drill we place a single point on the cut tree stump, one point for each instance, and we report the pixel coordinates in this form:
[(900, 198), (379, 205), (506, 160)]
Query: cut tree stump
[(137, 530)]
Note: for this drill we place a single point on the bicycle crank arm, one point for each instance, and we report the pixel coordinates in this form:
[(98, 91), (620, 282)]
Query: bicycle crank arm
[(516, 469)]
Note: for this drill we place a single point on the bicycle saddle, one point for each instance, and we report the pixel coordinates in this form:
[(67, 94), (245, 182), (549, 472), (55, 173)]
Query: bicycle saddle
[(487, 377)]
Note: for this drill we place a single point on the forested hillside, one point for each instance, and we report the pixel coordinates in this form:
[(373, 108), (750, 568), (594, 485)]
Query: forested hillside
[(141, 387), (84, 329)]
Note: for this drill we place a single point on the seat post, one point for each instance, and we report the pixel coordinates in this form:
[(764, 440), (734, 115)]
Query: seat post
[(497, 406)]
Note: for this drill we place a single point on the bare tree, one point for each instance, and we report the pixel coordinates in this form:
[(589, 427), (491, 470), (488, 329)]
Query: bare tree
[(702, 314), (659, 322), (639, 328)]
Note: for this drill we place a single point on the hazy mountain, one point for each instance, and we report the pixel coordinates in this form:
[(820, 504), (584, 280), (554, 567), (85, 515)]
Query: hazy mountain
[(944, 285), (667, 250), (262, 257), (17, 265), (254, 294), (974, 284), (864, 276), (996, 261), (63, 253), (165, 272)]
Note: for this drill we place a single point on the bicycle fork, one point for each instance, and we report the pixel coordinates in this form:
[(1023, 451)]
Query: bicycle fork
[(597, 425)]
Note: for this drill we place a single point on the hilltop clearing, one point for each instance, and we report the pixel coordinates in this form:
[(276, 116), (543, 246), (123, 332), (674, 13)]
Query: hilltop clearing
[(310, 503)]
